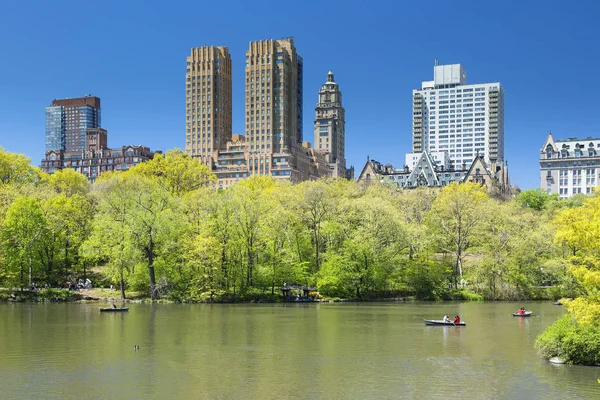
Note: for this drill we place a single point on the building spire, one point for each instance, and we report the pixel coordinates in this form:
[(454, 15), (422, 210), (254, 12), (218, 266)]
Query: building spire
[(330, 76)]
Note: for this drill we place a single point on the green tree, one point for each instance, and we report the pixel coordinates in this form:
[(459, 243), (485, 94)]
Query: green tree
[(148, 211), (70, 220), (209, 213), (536, 199), (315, 208), (23, 228), (456, 217), (576, 337), (176, 171), (15, 169), (250, 206), (68, 182)]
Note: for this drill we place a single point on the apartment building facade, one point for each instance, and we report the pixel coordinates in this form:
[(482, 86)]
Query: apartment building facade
[(208, 101), (464, 120), (570, 166)]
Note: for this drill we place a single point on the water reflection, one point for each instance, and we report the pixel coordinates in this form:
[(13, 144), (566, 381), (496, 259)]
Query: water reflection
[(273, 351)]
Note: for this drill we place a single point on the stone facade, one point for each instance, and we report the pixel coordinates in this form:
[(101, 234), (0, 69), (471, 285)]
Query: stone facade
[(330, 127), (569, 167), (237, 162)]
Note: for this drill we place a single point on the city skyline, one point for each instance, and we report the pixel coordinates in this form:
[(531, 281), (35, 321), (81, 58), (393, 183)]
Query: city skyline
[(538, 67)]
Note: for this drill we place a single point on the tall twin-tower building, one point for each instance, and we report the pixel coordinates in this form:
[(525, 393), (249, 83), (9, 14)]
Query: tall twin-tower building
[(273, 143)]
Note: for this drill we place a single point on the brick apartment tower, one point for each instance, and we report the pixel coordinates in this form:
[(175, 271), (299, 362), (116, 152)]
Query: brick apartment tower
[(208, 102)]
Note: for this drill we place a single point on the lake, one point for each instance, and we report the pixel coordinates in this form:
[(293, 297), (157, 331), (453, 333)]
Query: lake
[(282, 351)]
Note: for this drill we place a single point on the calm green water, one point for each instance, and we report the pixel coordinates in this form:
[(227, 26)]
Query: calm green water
[(298, 351)]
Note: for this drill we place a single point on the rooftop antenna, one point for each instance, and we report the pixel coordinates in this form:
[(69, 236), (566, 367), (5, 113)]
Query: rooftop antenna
[(436, 62)]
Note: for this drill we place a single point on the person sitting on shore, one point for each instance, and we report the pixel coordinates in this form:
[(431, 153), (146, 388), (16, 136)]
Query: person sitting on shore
[(457, 320)]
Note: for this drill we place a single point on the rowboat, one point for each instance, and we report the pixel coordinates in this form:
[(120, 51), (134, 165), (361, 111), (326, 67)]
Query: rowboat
[(557, 303), (112, 309), (439, 322), (525, 314)]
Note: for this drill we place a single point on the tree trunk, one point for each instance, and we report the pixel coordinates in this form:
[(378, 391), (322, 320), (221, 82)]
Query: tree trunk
[(122, 283), (150, 258), (66, 259), (316, 239), (250, 263), (30, 271), (224, 278), (21, 278)]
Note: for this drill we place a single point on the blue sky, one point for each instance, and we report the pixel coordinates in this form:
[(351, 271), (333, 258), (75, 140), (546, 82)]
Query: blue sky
[(132, 55)]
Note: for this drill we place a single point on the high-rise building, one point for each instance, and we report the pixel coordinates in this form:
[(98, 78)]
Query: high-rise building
[(570, 166), (67, 121), (465, 120), (273, 144), (329, 126), (208, 101), (273, 96)]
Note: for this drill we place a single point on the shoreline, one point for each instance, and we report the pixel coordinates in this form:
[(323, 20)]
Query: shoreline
[(113, 296)]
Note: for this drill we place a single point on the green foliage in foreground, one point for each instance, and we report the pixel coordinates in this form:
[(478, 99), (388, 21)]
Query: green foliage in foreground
[(571, 342), (576, 337)]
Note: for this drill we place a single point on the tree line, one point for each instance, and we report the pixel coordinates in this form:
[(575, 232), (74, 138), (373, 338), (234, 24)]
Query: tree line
[(161, 228)]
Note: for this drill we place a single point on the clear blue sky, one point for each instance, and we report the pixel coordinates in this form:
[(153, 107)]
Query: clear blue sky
[(132, 55)]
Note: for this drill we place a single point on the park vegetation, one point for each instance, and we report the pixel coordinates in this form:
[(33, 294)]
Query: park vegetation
[(163, 229)]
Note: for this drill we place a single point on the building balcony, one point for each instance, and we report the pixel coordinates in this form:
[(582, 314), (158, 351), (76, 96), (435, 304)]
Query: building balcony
[(231, 168), (229, 156)]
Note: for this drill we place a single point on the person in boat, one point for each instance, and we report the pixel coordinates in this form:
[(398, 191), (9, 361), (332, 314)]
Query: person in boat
[(457, 320), (521, 310), (114, 305), (447, 318)]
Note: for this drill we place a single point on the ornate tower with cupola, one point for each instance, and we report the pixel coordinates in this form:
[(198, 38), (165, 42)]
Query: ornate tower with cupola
[(330, 130)]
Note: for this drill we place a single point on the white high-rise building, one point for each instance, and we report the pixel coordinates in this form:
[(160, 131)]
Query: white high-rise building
[(464, 120)]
